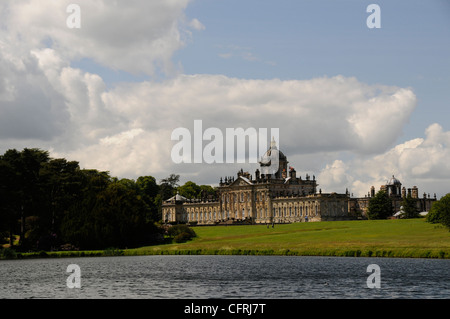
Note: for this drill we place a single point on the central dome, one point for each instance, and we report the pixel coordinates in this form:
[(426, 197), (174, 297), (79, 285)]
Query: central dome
[(273, 161), (393, 181), (270, 153)]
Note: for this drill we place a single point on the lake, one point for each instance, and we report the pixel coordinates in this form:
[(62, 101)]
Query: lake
[(223, 277)]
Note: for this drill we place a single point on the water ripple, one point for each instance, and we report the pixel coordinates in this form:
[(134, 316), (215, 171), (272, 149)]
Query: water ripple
[(192, 277)]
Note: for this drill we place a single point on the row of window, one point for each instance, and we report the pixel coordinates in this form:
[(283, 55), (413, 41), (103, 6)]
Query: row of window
[(243, 197), (295, 211), (260, 214)]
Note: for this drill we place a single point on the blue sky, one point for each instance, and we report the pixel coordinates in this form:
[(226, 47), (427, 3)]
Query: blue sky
[(354, 105), (293, 39), (307, 39)]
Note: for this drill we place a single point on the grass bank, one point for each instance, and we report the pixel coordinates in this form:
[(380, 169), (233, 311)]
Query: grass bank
[(406, 238), (369, 238)]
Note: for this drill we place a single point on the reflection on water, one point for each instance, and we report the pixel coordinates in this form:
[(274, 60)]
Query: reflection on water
[(222, 277)]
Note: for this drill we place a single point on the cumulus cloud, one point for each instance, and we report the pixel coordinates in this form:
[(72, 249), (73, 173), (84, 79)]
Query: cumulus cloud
[(127, 129), (134, 36), (27, 99), (310, 122), (313, 115), (419, 162)]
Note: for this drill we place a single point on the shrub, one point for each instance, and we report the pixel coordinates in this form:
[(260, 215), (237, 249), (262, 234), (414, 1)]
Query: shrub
[(182, 238), (113, 252), (7, 253), (179, 229)]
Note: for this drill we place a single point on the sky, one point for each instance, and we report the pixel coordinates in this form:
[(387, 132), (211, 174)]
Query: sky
[(354, 105)]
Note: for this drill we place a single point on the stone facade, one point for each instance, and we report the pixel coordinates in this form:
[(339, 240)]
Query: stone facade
[(394, 189), (265, 198), (281, 197)]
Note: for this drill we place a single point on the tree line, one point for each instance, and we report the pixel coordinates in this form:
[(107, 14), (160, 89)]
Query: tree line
[(52, 204)]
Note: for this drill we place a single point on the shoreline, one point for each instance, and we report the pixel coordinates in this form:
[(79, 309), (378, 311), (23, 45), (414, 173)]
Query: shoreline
[(382, 253), (414, 238)]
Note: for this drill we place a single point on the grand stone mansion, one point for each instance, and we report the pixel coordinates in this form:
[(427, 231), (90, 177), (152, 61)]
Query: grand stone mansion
[(282, 197)]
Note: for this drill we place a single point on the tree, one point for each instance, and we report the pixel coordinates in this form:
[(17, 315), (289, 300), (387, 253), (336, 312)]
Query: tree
[(440, 212), (10, 201), (168, 186), (190, 190), (24, 187), (409, 207), (111, 213), (380, 206), (148, 190), (209, 190), (120, 218), (167, 189), (78, 224)]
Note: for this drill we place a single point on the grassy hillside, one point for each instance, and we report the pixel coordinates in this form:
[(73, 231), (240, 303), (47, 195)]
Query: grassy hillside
[(393, 238)]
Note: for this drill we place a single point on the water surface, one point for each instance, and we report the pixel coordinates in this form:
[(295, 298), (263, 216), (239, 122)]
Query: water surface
[(194, 277)]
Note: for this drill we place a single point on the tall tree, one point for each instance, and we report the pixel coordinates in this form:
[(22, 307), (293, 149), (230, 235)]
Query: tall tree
[(380, 206), (78, 224), (10, 200), (61, 181), (168, 186), (148, 191), (190, 190), (440, 212), (409, 207), (25, 184)]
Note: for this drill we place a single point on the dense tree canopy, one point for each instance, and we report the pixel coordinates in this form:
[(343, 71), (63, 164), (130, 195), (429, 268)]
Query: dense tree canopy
[(409, 207), (380, 206), (49, 203), (440, 212)]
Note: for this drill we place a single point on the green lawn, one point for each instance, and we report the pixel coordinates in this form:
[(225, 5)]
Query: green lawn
[(393, 238)]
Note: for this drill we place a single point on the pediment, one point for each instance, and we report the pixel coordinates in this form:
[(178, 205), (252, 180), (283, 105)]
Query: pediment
[(241, 181)]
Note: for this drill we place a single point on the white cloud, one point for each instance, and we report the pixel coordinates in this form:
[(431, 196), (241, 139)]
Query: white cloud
[(127, 129), (421, 162), (135, 36), (335, 176), (196, 25), (309, 120)]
